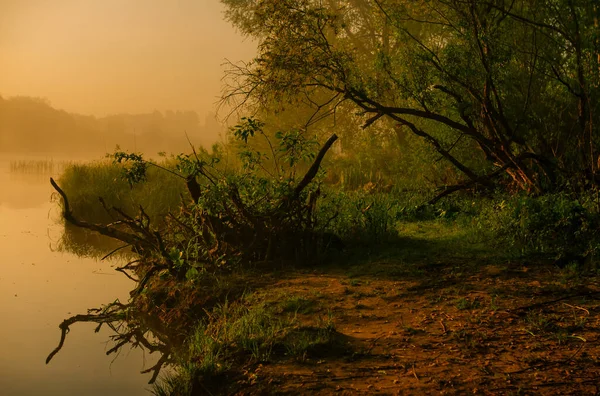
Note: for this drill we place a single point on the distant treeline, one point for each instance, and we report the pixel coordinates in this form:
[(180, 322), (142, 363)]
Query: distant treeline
[(32, 126)]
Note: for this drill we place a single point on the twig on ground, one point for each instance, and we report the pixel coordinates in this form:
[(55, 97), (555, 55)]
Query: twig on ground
[(415, 372), (373, 343), (576, 307), (543, 303), (444, 330)]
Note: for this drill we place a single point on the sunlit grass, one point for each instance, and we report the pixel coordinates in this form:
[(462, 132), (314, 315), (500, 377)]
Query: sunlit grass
[(85, 183)]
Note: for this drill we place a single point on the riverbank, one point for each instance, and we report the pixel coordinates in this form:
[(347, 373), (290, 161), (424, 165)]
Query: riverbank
[(409, 320), (257, 284)]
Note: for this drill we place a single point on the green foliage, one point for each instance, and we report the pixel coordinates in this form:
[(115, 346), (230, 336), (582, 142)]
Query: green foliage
[(296, 304), (361, 217), (559, 224), (279, 154), (295, 146), (247, 128), (243, 216), (177, 383), (503, 95), (135, 172), (466, 304)]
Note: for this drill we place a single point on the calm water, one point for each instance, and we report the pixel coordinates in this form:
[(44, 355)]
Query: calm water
[(39, 287)]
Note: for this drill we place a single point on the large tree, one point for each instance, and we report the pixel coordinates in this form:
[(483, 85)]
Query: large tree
[(514, 83)]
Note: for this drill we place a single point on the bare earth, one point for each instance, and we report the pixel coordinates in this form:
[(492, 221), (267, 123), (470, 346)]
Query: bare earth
[(446, 329)]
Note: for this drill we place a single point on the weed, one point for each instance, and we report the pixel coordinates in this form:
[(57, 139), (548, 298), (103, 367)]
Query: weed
[(540, 322), (470, 339), (297, 304), (84, 183), (303, 341), (178, 383), (464, 304), (327, 323), (493, 304), (354, 282)]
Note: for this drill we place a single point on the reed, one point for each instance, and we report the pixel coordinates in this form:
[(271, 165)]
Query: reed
[(86, 183), (45, 166)]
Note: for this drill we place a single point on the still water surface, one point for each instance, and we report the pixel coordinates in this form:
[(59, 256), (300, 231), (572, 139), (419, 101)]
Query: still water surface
[(39, 287)]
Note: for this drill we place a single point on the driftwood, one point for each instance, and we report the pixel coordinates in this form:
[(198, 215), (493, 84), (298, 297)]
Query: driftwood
[(142, 236), (111, 232), (240, 220)]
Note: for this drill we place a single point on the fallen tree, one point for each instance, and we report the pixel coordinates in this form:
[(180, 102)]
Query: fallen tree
[(215, 232)]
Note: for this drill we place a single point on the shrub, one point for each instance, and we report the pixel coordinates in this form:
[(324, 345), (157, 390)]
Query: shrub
[(558, 224)]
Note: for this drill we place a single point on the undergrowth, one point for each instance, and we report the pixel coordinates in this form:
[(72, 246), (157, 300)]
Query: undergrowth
[(234, 332)]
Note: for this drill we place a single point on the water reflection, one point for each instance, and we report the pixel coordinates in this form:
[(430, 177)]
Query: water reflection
[(85, 243), (40, 286)]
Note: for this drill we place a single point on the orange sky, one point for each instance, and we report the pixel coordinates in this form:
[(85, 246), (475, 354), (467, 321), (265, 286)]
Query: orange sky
[(107, 56)]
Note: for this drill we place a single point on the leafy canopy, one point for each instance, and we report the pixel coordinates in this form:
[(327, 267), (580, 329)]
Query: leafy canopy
[(513, 84)]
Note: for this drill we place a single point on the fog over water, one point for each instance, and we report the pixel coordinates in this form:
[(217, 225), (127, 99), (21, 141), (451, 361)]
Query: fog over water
[(77, 78), (39, 287)]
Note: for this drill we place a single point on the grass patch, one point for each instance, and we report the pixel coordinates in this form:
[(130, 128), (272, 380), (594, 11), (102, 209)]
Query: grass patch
[(236, 337), (297, 304), (85, 183), (466, 304)]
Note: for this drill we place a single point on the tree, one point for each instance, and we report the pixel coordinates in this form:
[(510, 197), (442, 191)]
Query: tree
[(513, 85)]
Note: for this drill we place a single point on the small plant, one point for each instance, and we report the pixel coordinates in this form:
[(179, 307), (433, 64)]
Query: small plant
[(317, 341), (494, 304), (464, 304), (354, 282), (540, 322), (297, 304)]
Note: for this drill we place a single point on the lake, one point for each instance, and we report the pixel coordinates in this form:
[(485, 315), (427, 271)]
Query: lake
[(40, 287)]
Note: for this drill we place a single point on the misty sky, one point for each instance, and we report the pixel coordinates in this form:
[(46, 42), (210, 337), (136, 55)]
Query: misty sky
[(108, 56)]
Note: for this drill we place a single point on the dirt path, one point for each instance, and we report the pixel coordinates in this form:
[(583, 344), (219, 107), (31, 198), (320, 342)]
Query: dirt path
[(446, 330)]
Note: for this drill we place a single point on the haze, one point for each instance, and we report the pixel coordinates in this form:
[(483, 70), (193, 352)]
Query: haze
[(114, 56)]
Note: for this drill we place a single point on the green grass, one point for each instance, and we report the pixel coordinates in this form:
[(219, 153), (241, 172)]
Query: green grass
[(466, 304), (85, 183), (235, 333), (418, 248), (296, 304)]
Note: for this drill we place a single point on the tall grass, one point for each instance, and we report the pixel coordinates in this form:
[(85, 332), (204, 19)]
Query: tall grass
[(84, 184)]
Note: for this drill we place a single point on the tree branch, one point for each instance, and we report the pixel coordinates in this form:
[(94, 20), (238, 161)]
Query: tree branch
[(312, 171)]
